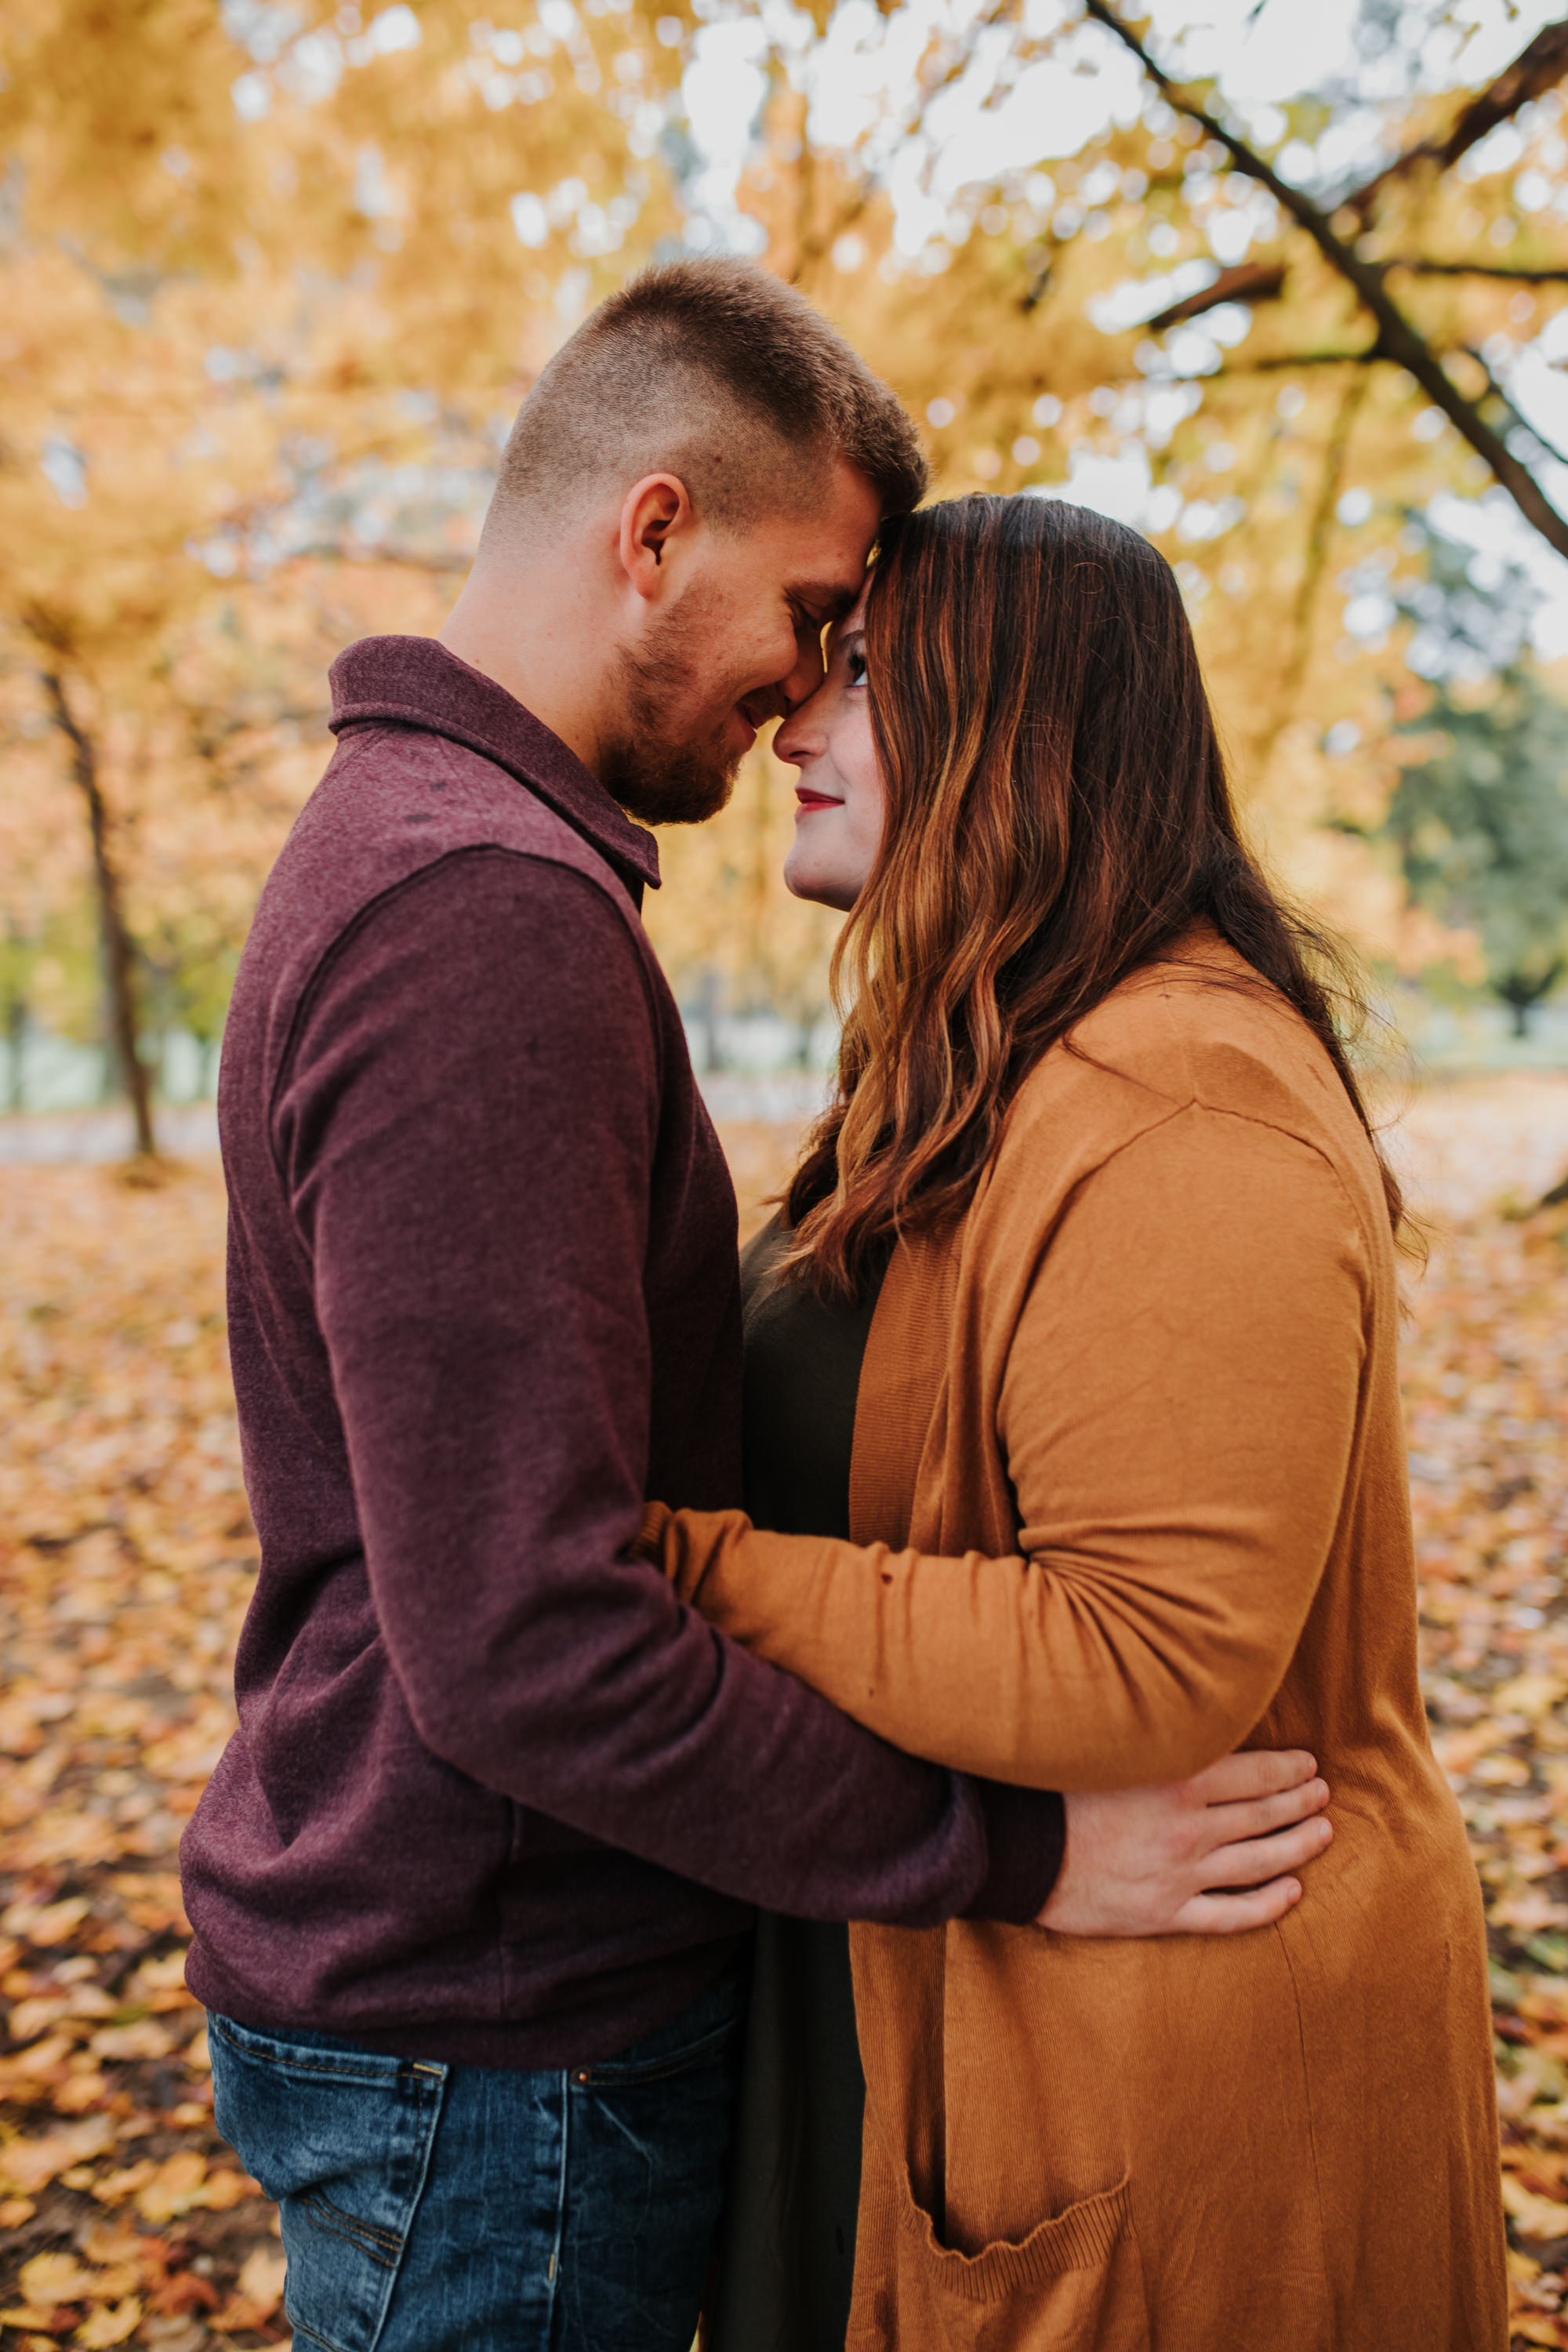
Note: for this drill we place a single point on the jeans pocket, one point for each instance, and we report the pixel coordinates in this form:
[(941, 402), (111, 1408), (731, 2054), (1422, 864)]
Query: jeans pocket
[(339, 2139), (700, 2034)]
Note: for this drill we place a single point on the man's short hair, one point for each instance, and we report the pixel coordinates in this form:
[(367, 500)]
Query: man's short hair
[(719, 373)]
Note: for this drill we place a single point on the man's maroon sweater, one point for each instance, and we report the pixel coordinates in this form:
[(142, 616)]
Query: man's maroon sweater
[(496, 1796)]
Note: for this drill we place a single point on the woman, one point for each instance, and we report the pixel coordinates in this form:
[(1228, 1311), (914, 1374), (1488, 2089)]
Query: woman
[(1127, 1489)]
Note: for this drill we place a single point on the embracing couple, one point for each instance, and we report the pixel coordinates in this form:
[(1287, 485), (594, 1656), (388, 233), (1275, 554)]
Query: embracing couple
[(1049, 1444)]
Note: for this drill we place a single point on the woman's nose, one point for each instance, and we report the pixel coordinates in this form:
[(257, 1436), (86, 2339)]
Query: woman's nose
[(800, 736)]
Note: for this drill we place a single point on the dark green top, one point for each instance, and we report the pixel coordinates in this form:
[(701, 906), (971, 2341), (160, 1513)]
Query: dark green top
[(801, 1377), (787, 2251)]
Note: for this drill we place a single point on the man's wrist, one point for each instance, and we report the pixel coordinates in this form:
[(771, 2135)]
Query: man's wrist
[(1026, 1840)]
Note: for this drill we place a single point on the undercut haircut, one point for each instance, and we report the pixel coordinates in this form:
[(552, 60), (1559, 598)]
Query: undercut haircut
[(721, 374)]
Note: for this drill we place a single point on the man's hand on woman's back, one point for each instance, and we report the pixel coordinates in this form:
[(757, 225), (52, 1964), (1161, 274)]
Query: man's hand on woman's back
[(1206, 1856)]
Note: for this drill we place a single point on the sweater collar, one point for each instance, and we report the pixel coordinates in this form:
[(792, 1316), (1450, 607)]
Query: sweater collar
[(416, 682)]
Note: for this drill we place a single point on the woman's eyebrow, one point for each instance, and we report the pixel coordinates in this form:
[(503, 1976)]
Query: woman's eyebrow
[(850, 641)]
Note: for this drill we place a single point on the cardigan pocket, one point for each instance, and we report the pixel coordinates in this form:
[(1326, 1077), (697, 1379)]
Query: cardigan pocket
[(1075, 2280)]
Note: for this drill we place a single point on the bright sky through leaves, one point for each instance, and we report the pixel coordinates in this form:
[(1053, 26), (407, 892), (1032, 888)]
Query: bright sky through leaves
[(862, 83)]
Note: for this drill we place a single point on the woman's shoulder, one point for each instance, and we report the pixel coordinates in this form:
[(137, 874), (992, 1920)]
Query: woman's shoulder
[(1196, 1031)]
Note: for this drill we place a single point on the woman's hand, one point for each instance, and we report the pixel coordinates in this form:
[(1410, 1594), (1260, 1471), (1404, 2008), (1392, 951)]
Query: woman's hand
[(1156, 1862)]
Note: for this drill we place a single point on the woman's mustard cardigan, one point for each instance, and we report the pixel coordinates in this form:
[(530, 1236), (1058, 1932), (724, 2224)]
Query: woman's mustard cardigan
[(1129, 1491)]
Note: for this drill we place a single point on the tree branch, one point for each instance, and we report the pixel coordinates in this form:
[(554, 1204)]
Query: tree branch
[(1476, 270), (1499, 393), (1539, 67), (1397, 339), (1263, 281), (1249, 281), (1282, 363)]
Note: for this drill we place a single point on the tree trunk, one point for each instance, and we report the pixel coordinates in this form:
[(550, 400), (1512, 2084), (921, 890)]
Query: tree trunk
[(119, 963), (15, 1044)]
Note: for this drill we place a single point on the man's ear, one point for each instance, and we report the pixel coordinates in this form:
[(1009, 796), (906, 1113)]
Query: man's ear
[(655, 509)]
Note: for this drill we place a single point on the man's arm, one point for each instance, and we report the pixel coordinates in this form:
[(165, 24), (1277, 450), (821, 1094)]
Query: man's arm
[(466, 1125)]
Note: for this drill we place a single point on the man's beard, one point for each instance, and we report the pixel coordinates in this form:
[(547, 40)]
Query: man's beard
[(656, 775)]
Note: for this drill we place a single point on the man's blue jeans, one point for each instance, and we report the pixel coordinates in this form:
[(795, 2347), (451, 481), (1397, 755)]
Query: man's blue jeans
[(471, 2209)]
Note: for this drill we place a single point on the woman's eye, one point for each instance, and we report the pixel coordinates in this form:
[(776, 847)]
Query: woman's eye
[(856, 666)]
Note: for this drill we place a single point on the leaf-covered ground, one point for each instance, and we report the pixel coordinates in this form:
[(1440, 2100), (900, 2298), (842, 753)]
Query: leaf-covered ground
[(125, 1561)]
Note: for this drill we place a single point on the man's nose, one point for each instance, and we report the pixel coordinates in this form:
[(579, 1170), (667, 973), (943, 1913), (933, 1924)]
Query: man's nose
[(803, 680)]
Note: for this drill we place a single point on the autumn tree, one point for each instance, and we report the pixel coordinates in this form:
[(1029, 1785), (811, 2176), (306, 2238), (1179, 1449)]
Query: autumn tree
[(1190, 308), (267, 309), (276, 279)]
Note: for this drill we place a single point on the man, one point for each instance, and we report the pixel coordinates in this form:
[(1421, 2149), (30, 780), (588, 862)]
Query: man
[(471, 1884)]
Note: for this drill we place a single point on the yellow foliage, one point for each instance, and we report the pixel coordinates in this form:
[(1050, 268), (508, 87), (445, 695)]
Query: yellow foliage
[(263, 316)]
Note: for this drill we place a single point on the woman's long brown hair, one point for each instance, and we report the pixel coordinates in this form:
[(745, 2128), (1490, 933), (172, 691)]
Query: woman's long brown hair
[(1058, 814)]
